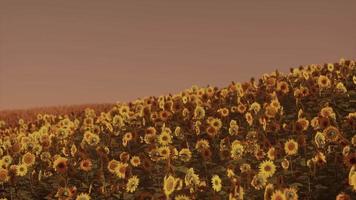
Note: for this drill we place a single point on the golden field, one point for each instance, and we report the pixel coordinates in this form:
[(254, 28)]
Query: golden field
[(279, 137)]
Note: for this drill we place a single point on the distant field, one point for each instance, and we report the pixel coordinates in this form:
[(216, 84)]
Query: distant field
[(12, 116)]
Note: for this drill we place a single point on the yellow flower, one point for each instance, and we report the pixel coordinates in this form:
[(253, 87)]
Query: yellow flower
[(278, 195), (330, 67), (83, 196), (135, 161), (112, 165), (259, 181), (249, 118), (319, 139), (28, 159), (86, 165), (268, 191), (216, 123), (60, 164), (4, 175), (291, 147), (202, 144), (245, 168), (271, 154), (224, 112), (168, 185), (283, 87), (181, 197), (185, 154), (341, 87), (120, 169), (324, 81), (267, 168), (331, 133), (291, 194), (164, 152), (236, 150), (165, 137), (199, 112), (132, 184), (191, 178), (285, 164), (21, 170), (216, 182), (256, 107)]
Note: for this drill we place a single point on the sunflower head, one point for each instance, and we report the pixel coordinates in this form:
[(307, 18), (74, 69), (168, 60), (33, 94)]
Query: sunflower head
[(216, 183), (267, 168), (291, 147)]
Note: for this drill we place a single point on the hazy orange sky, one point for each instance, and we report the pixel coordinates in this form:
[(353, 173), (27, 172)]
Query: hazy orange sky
[(55, 52)]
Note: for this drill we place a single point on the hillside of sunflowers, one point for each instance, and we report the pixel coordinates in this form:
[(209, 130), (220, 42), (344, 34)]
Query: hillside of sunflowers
[(283, 136)]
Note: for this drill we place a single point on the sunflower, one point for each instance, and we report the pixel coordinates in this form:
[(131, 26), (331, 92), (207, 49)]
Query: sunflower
[(164, 152), (319, 158), (341, 87), (185, 154), (216, 123), (135, 161), (127, 136), (7, 159), (343, 196), (268, 191), (278, 195), (330, 67), (283, 87), (291, 147), (245, 168), (211, 131), (271, 154), (28, 159), (291, 194), (191, 178), (4, 175), (324, 81), (216, 183), (60, 164), (267, 168), (83, 196), (258, 181), (327, 112), (112, 165), (181, 197), (331, 133), (256, 107), (319, 139), (236, 150), (270, 111), (199, 112), (86, 165), (202, 144), (352, 181), (249, 118), (241, 108), (132, 184), (21, 170), (224, 112), (168, 185), (120, 169), (285, 164), (164, 115), (165, 138)]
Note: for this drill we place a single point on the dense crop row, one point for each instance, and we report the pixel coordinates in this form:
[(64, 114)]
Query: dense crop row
[(281, 137)]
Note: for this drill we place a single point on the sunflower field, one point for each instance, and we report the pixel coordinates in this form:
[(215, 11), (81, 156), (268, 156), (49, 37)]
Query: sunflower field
[(280, 137)]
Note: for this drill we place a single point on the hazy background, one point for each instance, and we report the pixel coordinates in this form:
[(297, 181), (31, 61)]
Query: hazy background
[(72, 52)]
